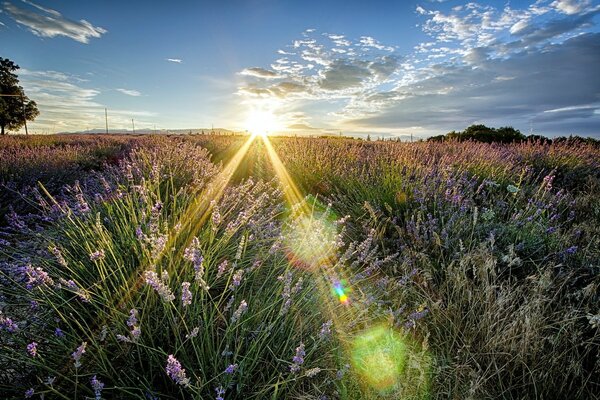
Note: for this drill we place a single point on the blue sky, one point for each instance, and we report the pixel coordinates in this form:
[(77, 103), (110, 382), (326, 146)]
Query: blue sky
[(382, 67)]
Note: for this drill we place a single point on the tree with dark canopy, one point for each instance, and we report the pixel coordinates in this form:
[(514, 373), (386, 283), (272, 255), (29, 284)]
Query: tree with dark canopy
[(15, 106)]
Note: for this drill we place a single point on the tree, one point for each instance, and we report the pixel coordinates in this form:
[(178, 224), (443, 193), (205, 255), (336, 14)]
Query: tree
[(15, 106)]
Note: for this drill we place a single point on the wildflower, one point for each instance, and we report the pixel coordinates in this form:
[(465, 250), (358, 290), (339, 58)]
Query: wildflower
[(186, 294), (59, 257), (97, 386), (237, 279), (341, 372), (231, 368), (175, 372), (221, 269), (136, 333), (242, 308), (58, 332), (32, 349), (132, 320), (97, 255), (325, 329), (159, 285), (36, 277), (313, 372), (571, 250), (29, 393), (192, 253), (298, 358), (193, 333), (220, 392), (78, 353), (8, 324)]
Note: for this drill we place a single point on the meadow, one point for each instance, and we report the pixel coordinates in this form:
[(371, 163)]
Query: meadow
[(229, 267)]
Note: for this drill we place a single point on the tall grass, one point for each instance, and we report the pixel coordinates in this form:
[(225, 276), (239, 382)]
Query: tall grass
[(471, 272)]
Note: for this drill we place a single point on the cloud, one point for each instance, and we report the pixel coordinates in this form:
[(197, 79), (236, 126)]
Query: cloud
[(129, 92), (260, 73), (571, 7), (480, 64), (539, 88), (67, 104), (175, 60), (50, 23)]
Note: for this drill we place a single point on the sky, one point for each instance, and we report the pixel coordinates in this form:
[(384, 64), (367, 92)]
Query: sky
[(388, 68)]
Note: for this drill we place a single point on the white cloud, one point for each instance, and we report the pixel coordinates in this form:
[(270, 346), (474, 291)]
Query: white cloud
[(67, 104), (571, 7), (129, 92), (50, 23), (260, 73), (175, 60)]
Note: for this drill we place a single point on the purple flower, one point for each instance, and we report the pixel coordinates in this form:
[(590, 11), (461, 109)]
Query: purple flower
[(78, 353), (159, 285), (132, 320), (32, 349), (29, 393), (59, 333), (175, 372), (8, 324), (186, 294), (242, 308), (571, 250), (220, 392), (325, 329), (97, 255), (231, 368), (237, 279), (298, 358), (97, 386)]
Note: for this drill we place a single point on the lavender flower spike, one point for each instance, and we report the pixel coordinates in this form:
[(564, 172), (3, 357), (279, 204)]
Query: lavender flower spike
[(175, 372)]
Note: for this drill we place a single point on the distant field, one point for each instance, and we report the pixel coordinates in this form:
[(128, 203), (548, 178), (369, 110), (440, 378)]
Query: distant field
[(296, 268)]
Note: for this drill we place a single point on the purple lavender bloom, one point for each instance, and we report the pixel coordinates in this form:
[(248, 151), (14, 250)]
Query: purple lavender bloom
[(325, 329), (237, 279), (29, 393), (231, 368), (175, 372), (220, 392), (97, 255), (78, 353), (58, 332), (186, 294), (97, 386), (32, 349), (159, 285), (243, 307), (8, 324), (298, 358), (571, 250), (132, 320)]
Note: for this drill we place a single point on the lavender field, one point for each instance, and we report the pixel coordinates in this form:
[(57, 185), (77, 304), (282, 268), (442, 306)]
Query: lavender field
[(255, 267)]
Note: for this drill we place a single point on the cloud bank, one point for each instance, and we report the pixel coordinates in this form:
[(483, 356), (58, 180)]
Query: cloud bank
[(530, 67)]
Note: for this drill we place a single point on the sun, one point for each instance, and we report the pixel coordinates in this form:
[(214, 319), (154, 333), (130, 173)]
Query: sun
[(262, 122)]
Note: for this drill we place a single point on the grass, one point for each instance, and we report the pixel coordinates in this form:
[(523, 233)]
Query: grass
[(424, 270)]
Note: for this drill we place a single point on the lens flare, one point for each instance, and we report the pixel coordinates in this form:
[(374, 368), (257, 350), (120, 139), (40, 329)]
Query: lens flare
[(341, 292), (379, 357)]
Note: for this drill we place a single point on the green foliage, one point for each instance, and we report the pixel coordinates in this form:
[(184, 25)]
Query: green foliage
[(16, 108)]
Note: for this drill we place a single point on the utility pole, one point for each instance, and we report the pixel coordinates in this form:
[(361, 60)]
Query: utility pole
[(106, 119), (411, 138), (133, 125)]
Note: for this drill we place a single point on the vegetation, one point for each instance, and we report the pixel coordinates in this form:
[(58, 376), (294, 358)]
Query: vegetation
[(335, 269), (15, 106)]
